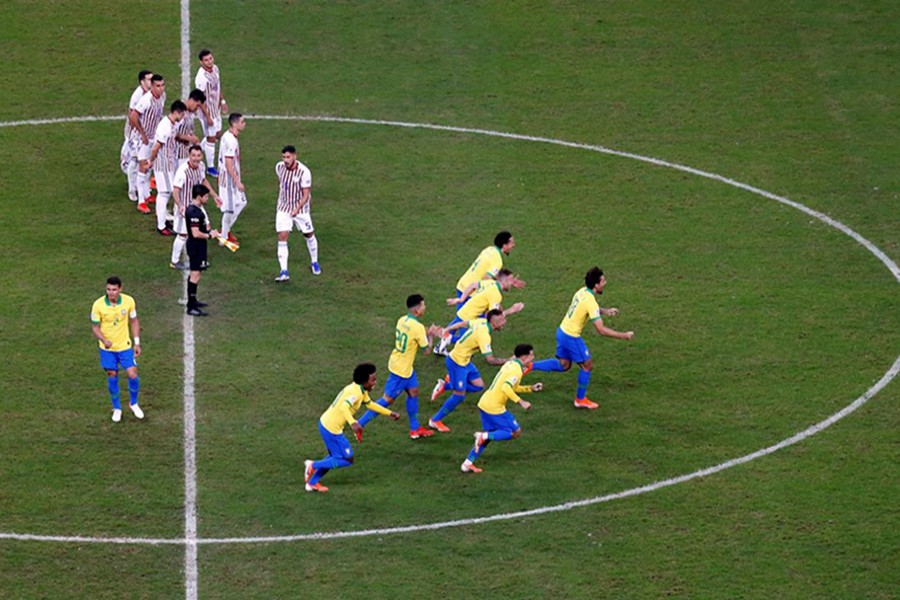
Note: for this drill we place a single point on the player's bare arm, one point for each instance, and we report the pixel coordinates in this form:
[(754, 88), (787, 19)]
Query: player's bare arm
[(136, 336), (304, 199), (465, 295), (609, 312), (497, 362), (232, 172), (99, 335), (517, 307), (134, 117), (604, 330)]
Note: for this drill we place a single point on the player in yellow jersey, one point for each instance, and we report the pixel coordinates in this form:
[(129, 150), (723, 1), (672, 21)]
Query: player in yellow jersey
[(478, 298), (409, 336), (339, 415), (110, 317), (463, 375), (497, 423), (570, 347), (486, 266)]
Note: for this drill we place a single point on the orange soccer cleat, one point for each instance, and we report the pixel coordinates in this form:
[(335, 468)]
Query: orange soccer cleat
[(585, 403), (439, 426), (421, 432)]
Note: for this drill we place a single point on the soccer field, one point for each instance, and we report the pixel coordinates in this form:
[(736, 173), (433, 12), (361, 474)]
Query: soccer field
[(731, 166)]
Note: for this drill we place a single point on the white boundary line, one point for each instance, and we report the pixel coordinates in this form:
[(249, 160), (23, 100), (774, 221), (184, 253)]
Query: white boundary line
[(889, 375), (191, 570)]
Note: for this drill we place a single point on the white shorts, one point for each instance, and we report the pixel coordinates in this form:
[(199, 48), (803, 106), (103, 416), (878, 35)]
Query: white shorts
[(285, 222), (179, 225), (231, 198), (210, 129), (143, 152), (164, 181)]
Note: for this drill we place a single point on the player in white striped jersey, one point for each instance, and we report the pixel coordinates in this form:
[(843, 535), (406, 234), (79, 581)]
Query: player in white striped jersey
[(162, 155), (188, 174), (144, 118), (209, 82), (231, 188), (294, 184), (128, 154), (185, 132)]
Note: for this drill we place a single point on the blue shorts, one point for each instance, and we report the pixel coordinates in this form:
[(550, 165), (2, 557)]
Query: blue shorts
[(395, 385), (571, 348), (459, 376), (504, 420), (336, 443), (110, 361)]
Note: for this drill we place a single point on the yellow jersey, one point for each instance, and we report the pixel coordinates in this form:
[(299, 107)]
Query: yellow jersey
[(487, 296), (113, 320), (488, 264), (409, 336), (584, 308), (345, 405), (503, 389), (477, 337)]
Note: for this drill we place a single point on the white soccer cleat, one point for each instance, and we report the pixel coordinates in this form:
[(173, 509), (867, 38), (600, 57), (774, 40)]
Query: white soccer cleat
[(468, 467), (136, 410), (117, 415), (283, 276)]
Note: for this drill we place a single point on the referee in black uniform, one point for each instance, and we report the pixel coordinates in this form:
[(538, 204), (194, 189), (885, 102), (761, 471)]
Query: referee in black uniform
[(198, 233)]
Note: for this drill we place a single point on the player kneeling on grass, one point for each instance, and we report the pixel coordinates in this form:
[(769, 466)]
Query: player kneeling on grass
[(333, 421), (497, 423), (409, 336)]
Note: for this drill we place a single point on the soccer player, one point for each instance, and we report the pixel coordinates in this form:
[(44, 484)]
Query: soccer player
[(144, 118), (480, 297), (209, 82), (294, 183), (128, 153), (570, 346), (463, 375), (198, 233), (110, 316), (409, 336), (497, 423), (231, 189), (162, 155), (187, 175), (184, 133), (486, 266), (333, 421)]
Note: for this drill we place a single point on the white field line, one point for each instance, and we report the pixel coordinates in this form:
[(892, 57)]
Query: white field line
[(890, 375), (191, 573)]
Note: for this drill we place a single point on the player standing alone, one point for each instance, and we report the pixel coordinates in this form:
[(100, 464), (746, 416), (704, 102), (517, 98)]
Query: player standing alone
[(110, 316), (209, 82), (294, 183)]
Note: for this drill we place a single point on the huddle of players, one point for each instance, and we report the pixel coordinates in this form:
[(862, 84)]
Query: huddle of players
[(167, 143), (479, 294)]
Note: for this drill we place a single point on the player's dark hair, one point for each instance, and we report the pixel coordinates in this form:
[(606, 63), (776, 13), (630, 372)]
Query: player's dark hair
[(414, 300), (197, 95), (234, 118), (204, 53), (522, 350), (290, 149), (114, 280), (362, 372), (193, 147), (494, 312), (198, 190), (593, 277), (157, 77), (504, 273), (178, 106), (142, 74), (502, 238)]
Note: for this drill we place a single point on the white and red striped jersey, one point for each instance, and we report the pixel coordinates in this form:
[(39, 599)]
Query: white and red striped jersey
[(291, 183), (165, 136), (185, 127), (228, 148), (132, 104), (185, 180), (150, 109), (209, 82)]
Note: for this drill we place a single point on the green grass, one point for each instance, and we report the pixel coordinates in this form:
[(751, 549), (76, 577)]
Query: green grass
[(752, 319)]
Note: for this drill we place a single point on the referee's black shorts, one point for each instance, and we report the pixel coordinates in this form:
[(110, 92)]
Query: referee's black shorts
[(196, 250)]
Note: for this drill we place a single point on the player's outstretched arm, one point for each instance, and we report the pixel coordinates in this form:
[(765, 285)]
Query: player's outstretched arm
[(493, 360), (517, 307), (604, 330), (465, 295)]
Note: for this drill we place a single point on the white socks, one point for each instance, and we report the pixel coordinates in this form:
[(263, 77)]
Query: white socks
[(313, 245), (209, 150), (283, 255), (178, 248), (143, 185)]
